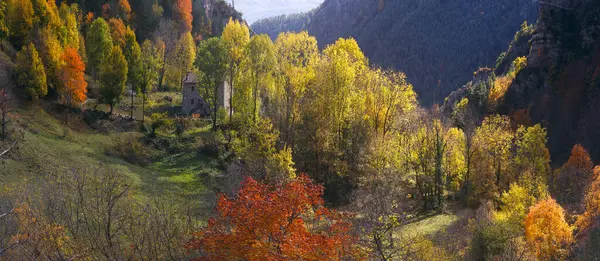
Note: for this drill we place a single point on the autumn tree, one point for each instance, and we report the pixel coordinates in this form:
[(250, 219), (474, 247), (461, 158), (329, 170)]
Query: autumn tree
[(572, 178), (73, 86), (31, 74), (19, 20), (148, 70), (547, 232), (113, 77), (212, 63), (236, 36), (4, 31), (118, 31), (133, 55), (532, 160), (297, 54), (261, 62), (181, 60), (493, 141), (182, 13), (98, 45), (292, 225), (166, 36), (591, 216), (70, 30)]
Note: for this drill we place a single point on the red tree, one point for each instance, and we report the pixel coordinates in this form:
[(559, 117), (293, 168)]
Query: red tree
[(286, 222)]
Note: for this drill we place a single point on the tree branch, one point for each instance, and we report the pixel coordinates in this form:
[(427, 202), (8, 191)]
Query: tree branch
[(7, 150)]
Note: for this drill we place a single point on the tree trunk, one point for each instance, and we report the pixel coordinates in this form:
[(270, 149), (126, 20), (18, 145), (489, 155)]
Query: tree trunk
[(143, 106), (111, 109), (255, 94), (230, 94), (131, 114), (3, 125)]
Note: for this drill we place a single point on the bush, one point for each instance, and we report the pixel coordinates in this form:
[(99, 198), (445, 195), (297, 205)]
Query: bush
[(129, 147)]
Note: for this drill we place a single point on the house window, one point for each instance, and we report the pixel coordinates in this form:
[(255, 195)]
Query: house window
[(192, 101), (192, 88)]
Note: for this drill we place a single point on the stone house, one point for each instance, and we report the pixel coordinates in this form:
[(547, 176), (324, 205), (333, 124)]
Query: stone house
[(193, 103)]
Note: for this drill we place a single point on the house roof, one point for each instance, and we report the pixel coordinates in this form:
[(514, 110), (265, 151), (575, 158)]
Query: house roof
[(190, 78)]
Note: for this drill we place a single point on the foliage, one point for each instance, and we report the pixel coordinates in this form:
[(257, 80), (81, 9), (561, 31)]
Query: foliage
[(236, 36), (98, 44), (572, 178), (547, 231), (113, 77), (74, 87), (20, 18), (117, 31), (183, 14), (492, 160), (437, 45), (212, 61), (31, 74), (591, 216), (293, 224)]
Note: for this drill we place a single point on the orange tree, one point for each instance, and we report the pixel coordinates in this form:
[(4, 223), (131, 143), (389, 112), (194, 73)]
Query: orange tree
[(547, 232), (266, 222)]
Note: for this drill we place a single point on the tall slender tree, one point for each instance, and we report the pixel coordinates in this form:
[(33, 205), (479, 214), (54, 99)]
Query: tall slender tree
[(212, 63), (236, 36), (31, 74), (113, 77), (98, 45)]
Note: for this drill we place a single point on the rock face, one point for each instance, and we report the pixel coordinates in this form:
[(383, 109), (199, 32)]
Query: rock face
[(437, 43), (560, 86)]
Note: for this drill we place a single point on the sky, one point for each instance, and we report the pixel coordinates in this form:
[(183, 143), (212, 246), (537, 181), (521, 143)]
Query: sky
[(257, 9)]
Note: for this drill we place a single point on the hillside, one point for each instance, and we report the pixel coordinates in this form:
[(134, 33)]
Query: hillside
[(560, 86), (437, 43)]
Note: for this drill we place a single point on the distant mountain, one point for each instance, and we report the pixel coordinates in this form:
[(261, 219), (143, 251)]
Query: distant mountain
[(438, 43), (259, 9)]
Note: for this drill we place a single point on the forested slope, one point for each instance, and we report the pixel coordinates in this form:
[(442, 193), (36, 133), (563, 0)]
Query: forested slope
[(437, 43)]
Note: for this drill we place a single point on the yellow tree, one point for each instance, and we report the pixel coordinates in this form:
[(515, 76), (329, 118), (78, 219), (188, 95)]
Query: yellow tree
[(387, 96), (455, 165), (70, 36), (236, 36), (492, 159), (532, 159), (296, 54), (20, 18), (592, 204), (261, 62), (547, 232)]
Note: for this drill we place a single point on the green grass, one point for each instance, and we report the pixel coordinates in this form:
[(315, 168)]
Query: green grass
[(47, 144), (429, 225)]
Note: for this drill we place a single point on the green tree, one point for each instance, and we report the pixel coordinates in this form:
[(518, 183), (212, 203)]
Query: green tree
[(70, 26), (212, 62), (261, 62), (148, 70), (133, 55), (31, 74), (113, 77), (236, 36), (98, 45)]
